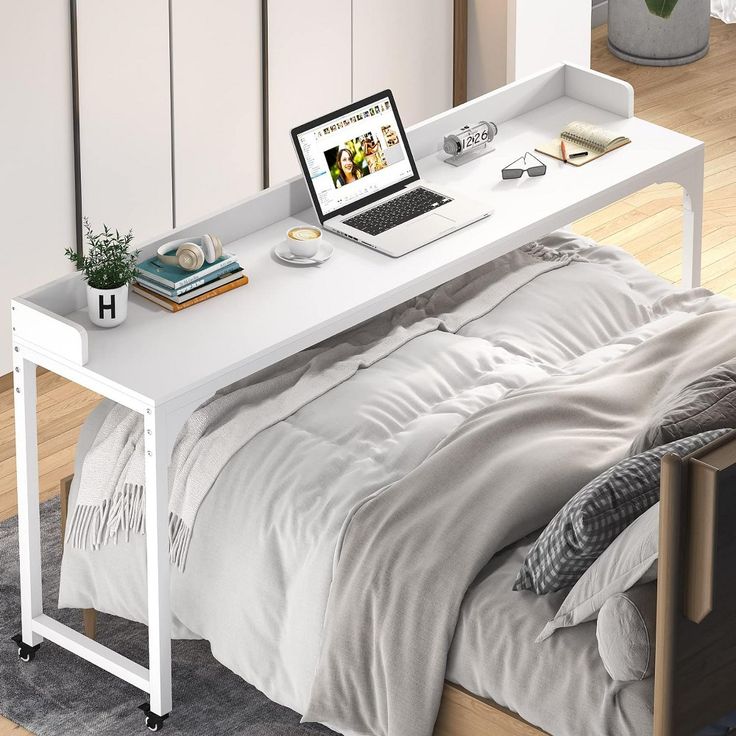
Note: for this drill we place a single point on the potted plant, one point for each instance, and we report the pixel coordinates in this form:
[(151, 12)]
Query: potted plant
[(659, 32), (109, 267)]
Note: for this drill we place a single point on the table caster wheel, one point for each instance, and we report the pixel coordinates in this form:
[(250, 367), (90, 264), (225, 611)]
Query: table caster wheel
[(26, 653), (154, 722)]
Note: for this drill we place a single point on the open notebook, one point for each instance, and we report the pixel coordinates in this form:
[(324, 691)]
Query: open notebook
[(580, 137)]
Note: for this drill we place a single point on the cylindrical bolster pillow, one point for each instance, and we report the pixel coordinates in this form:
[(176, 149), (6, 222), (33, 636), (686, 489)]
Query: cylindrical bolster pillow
[(626, 633)]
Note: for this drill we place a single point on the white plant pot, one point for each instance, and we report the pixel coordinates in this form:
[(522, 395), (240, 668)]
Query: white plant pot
[(107, 307)]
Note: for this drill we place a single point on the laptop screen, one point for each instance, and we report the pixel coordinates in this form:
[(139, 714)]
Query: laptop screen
[(357, 152)]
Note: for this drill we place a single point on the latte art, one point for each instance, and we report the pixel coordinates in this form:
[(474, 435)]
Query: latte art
[(304, 233), (304, 240)]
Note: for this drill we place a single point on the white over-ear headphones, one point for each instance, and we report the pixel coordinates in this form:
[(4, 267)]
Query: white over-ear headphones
[(191, 253)]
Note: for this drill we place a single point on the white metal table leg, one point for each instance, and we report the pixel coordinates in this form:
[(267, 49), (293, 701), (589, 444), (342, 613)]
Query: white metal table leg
[(29, 519), (692, 222), (157, 548)]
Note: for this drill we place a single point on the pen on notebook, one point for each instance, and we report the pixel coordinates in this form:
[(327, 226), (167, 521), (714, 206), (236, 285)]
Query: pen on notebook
[(564, 150), (578, 154)]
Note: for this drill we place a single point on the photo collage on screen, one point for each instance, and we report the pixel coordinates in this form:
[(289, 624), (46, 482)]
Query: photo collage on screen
[(375, 147)]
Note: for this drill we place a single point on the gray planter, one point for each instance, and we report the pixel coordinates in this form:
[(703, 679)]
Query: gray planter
[(636, 35)]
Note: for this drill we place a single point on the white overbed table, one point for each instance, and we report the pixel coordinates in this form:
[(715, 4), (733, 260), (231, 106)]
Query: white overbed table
[(164, 365)]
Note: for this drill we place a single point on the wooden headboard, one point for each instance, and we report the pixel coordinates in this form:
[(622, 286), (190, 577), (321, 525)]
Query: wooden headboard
[(695, 678)]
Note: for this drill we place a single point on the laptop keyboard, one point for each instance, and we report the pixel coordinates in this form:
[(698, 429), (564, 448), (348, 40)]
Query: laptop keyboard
[(396, 211)]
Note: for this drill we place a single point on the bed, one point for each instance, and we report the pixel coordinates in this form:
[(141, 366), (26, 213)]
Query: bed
[(555, 325)]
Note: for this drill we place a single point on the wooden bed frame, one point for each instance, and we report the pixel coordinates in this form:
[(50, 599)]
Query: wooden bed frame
[(695, 673)]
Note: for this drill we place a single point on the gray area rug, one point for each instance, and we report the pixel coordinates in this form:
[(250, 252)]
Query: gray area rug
[(59, 693)]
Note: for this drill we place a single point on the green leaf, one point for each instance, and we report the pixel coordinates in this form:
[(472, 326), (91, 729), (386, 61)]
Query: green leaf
[(661, 8), (109, 262)]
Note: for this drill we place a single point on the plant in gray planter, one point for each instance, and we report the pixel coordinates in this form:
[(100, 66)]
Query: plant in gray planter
[(661, 8), (659, 32), (109, 267)]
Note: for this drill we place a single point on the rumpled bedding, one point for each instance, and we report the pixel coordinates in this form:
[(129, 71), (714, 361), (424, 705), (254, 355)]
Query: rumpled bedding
[(111, 490), (455, 444), (409, 553)]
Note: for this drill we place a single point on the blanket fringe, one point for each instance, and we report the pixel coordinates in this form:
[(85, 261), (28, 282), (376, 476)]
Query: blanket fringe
[(180, 534), (93, 526)]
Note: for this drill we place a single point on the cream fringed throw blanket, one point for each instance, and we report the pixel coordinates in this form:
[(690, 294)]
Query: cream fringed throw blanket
[(111, 497)]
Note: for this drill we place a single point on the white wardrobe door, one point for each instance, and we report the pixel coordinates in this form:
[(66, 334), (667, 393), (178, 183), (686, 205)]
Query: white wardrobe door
[(309, 53), (36, 153), (405, 46), (217, 110), (124, 114)]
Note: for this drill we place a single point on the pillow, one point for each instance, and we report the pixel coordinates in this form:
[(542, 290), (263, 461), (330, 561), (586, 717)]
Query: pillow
[(630, 559), (626, 633), (707, 403), (596, 515)]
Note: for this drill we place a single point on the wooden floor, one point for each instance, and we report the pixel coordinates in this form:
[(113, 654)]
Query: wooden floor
[(62, 407), (699, 100)]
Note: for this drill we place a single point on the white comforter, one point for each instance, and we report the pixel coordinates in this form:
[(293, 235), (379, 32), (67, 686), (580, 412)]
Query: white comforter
[(261, 561)]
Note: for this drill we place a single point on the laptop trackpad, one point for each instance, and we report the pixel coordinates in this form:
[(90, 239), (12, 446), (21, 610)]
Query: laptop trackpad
[(432, 224)]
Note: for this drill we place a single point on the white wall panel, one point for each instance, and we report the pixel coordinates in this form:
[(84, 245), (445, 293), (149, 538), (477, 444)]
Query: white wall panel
[(124, 114), (217, 110), (406, 46), (309, 63), (37, 160), (545, 33)]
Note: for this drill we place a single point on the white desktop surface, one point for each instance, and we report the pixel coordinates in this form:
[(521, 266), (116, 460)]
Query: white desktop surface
[(161, 355)]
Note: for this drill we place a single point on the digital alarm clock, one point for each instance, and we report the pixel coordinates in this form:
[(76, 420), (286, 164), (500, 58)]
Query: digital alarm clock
[(470, 139)]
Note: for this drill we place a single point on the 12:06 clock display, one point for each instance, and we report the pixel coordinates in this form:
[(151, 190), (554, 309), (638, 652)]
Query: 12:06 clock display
[(469, 137)]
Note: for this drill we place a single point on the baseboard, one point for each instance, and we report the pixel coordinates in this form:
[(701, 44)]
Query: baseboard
[(600, 13)]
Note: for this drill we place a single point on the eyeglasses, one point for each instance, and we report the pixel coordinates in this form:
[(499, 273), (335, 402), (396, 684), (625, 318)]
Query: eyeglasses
[(516, 168)]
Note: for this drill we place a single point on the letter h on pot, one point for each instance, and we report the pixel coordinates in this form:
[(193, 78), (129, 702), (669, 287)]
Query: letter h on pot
[(107, 307)]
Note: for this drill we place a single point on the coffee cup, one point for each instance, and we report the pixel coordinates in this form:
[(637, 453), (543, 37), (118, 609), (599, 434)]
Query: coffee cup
[(304, 240)]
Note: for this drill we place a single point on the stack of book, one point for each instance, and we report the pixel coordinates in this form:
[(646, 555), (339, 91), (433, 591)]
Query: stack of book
[(174, 288)]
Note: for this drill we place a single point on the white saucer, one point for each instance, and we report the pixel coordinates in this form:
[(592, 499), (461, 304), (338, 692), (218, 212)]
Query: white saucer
[(325, 251)]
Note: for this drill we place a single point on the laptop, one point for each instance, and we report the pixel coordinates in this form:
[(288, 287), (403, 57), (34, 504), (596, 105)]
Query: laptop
[(364, 183)]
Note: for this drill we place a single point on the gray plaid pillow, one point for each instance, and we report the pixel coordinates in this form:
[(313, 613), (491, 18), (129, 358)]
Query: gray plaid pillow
[(588, 523)]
